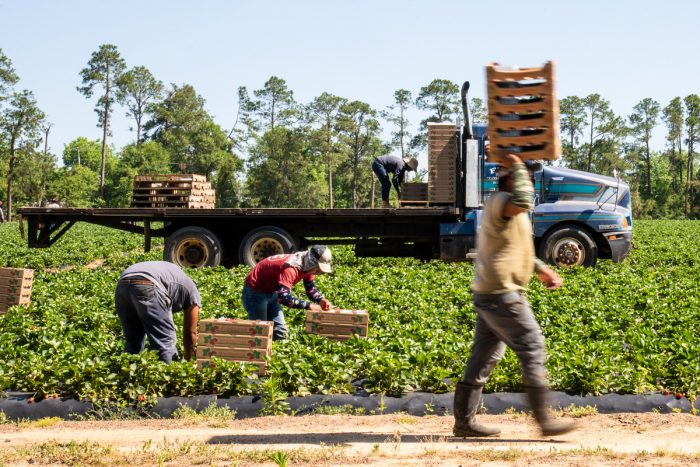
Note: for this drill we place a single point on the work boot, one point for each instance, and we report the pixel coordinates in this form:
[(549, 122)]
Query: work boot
[(539, 397), (466, 404), (385, 204)]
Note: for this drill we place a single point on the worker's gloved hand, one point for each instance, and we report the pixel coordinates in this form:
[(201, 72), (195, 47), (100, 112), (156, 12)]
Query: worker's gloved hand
[(315, 307), (325, 304)]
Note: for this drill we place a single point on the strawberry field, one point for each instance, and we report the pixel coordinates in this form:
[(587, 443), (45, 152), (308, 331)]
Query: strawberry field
[(624, 328)]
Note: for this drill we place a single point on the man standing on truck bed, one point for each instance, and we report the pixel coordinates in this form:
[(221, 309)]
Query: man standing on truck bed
[(505, 262), (269, 284), (385, 165), (147, 295)]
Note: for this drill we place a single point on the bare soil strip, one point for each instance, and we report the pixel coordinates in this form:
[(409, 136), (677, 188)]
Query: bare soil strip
[(615, 439)]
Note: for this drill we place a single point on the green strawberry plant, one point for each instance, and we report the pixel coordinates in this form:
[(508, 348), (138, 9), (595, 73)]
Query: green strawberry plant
[(624, 328)]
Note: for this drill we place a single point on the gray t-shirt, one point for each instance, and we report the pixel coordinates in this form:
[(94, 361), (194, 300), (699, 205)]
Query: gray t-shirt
[(393, 165), (181, 290)]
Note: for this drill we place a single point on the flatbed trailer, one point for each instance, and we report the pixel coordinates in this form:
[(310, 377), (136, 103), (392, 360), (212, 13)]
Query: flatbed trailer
[(212, 237)]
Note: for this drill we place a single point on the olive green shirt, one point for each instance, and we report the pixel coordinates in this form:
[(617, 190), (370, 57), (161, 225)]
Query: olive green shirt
[(505, 252)]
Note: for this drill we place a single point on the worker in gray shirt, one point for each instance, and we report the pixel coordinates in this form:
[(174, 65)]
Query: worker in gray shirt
[(147, 295), (384, 165)]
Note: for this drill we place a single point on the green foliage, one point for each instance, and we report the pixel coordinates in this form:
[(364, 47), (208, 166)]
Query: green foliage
[(85, 152), (359, 138), (8, 76), (138, 90), (279, 166), (212, 415), (274, 399), (624, 328), (76, 187), (146, 158), (20, 124)]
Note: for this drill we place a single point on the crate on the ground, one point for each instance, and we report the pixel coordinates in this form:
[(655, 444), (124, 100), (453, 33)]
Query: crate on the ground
[(337, 324), (227, 353), (338, 316), (336, 329), (239, 327), (206, 363), (523, 112), (172, 191), (15, 287), (233, 340), (238, 340)]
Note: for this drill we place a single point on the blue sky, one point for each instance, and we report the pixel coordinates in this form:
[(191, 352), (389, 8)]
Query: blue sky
[(623, 50)]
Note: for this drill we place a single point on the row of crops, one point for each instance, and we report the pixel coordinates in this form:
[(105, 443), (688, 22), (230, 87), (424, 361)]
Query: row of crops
[(625, 328)]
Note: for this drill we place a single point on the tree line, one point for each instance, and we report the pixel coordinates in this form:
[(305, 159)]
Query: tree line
[(285, 153)]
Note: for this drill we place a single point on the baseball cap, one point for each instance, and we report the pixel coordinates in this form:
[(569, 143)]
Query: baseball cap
[(321, 255)]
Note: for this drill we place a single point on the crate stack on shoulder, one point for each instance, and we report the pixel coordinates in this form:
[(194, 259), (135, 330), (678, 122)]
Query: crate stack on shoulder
[(238, 340), (414, 194), (172, 191), (337, 324), (443, 162), (15, 287), (523, 112)]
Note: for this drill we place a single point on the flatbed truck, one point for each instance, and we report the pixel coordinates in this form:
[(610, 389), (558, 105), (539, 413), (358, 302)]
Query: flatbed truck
[(578, 218)]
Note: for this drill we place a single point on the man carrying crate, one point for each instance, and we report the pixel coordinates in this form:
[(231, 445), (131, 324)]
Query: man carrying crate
[(269, 285), (147, 295), (505, 262)]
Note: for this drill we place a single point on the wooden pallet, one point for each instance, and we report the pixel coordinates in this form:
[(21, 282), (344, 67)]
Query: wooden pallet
[(443, 157), (172, 191), (423, 204), (170, 178), (523, 112)]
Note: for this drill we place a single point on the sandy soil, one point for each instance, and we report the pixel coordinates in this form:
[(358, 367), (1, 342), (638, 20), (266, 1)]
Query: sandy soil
[(617, 439)]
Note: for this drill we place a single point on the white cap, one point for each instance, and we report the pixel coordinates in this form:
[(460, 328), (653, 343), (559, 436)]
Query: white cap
[(321, 254)]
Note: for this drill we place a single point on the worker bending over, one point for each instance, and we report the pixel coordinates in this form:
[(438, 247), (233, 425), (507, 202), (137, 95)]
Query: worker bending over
[(269, 285)]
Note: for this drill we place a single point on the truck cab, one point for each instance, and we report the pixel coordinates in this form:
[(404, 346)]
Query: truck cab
[(578, 217)]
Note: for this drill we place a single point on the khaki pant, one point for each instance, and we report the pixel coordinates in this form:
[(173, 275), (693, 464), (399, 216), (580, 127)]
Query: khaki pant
[(506, 319)]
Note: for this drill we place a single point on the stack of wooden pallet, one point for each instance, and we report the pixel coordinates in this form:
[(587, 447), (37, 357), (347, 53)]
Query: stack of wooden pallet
[(337, 324), (238, 340), (443, 161), (172, 191), (523, 112), (15, 287), (414, 194)]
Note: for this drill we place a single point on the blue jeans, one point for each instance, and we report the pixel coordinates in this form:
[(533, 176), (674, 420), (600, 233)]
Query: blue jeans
[(144, 311), (380, 171), (264, 306)]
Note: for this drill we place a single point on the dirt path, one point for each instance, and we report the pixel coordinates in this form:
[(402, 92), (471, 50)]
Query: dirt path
[(618, 439)]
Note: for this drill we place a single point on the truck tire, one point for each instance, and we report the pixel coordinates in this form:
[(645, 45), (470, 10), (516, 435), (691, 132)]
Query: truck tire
[(262, 242), (193, 247), (569, 246)]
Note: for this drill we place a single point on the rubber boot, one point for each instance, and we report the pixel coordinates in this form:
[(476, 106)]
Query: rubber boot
[(539, 404), (466, 405), (385, 204)]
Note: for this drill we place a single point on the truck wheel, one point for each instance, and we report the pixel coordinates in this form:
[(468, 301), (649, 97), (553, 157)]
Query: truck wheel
[(569, 246), (193, 247), (263, 242)]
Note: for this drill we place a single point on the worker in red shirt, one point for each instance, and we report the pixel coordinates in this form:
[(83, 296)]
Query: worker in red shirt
[(269, 285)]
